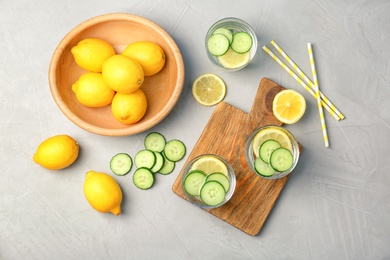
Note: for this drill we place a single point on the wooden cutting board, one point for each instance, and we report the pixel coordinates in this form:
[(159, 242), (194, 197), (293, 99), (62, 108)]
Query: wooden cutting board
[(225, 135)]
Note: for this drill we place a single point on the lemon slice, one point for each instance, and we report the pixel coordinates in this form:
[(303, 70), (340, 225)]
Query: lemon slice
[(289, 106), (210, 164), (271, 133), (208, 89), (232, 59)]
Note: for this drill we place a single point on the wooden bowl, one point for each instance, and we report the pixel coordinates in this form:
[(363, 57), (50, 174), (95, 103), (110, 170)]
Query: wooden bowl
[(162, 89)]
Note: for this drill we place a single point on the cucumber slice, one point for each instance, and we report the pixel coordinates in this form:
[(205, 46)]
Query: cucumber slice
[(221, 178), (155, 142), (267, 148), (175, 150), (218, 44), (168, 166), (193, 182), (281, 159), (224, 31), (263, 168), (242, 42), (145, 158), (121, 164), (143, 178), (212, 193), (159, 162)]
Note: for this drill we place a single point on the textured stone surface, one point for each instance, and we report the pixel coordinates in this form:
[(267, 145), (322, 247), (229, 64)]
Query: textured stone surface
[(336, 204)]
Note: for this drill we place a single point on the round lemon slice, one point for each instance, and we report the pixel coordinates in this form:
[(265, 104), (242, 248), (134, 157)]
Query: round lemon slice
[(208, 89), (289, 106), (210, 164), (232, 59), (271, 133)]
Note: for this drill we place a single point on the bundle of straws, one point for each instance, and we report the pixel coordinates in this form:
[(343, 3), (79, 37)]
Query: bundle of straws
[(311, 86)]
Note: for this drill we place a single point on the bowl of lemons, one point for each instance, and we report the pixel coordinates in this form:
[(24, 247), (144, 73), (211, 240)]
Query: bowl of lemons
[(116, 74)]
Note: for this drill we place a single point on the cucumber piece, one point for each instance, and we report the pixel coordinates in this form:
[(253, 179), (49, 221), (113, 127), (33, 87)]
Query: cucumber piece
[(155, 142), (193, 182), (212, 193), (281, 159), (175, 150), (168, 166), (121, 164), (263, 168), (242, 42), (159, 162), (218, 44), (221, 178), (267, 148), (143, 178), (145, 158), (224, 31)]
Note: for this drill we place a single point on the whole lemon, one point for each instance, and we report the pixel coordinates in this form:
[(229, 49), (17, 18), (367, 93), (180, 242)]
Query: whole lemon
[(91, 91), (129, 108), (90, 53), (57, 152), (149, 54), (102, 192), (122, 74)]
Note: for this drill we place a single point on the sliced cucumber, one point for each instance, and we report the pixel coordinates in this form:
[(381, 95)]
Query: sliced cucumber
[(145, 158), (193, 182), (143, 178), (218, 44), (267, 148), (242, 42), (263, 168), (155, 142), (221, 178), (168, 166), (212, 193), (281, 159), (121, 164), (224, 31), (175, 150), (159, 162)]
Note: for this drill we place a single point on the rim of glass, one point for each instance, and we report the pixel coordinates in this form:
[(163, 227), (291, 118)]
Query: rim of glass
[(197, 201), (249, 156), (232, 22)]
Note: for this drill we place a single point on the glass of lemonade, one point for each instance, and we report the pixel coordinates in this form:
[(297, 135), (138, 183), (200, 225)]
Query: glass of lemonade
[(272, 152), (208, 181), (228, 45)]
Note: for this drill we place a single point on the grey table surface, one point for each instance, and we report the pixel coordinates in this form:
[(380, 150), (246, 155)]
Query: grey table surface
[(335, 205)]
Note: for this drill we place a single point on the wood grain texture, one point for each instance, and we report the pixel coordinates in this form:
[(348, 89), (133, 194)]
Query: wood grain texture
[(225, 135)]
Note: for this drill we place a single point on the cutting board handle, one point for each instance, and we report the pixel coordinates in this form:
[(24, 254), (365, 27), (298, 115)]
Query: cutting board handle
[(261, 112)]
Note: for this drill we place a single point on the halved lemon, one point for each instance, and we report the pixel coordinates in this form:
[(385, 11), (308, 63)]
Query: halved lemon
[(208, 89), (271, 133), (210, 164), (232, 59), (289, 106)]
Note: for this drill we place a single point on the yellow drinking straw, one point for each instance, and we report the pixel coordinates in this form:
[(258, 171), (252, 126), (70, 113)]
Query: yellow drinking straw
[(321, 112), (300, 81), (308, 81)]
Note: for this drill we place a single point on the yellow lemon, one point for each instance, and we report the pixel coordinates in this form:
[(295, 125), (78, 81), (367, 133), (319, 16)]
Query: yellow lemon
[(208, 89), (102, 192), (91, 91), (232, 59), (90, 53), (289, 106), (57, 152), (122, 74), (271, 133), (129, 108), (210, 164), (149, 54)]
